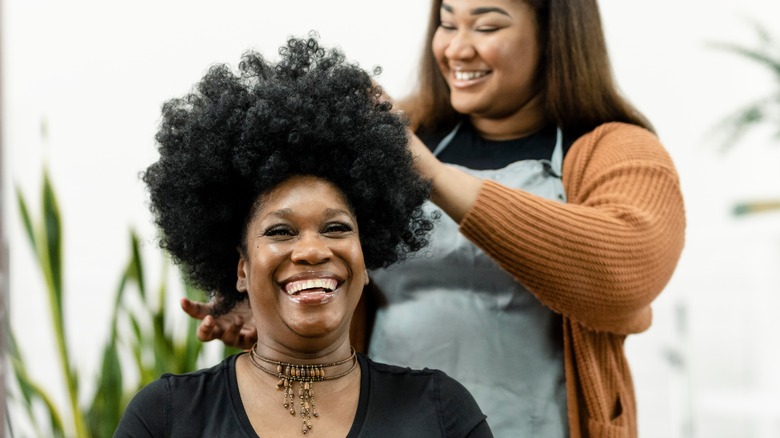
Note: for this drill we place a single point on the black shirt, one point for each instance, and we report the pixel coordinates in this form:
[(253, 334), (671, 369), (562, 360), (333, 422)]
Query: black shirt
[(394, 402), (469, 150)]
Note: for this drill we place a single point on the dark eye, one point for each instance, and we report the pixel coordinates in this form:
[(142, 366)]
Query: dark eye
[(336, 228), (278, 231), (446, 26)]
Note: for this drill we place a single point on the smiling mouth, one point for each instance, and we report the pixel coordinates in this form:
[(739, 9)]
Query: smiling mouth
[(469, 75), (326, 285)]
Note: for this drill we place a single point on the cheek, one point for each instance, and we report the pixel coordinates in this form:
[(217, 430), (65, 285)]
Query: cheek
[(438, 46), (518, 62), (265, 261), (354, 256), (500, 54)]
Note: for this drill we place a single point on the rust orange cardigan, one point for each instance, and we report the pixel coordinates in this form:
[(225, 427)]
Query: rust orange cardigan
[(599, 260)]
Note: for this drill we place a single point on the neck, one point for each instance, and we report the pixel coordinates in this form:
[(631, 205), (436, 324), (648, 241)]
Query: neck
[(304, 356), (521, 123), (297, 372), (338, 391)]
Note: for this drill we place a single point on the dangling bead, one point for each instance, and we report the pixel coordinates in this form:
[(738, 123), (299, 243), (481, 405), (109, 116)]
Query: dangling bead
[(305, 375)]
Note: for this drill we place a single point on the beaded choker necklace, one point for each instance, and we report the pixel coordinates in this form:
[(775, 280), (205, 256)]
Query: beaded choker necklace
[(305, 375)]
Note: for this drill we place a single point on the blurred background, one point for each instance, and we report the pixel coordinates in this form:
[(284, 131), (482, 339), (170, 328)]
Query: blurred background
[(82, 85)]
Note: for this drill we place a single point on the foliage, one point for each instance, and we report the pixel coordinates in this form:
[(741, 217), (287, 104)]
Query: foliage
[(762, 111), (765, 109), (141, 329)]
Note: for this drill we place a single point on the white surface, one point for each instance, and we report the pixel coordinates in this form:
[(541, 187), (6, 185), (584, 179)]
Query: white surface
[(97, 72)]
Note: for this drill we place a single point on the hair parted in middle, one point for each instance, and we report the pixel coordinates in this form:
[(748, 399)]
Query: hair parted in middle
[(574, 77), (238, 135)]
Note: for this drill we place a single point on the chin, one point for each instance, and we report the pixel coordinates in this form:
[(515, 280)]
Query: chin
[(464, 106), (309, 327)]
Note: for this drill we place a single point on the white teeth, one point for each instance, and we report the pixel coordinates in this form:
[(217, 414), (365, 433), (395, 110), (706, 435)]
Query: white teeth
[(329, 284), (469, 75)]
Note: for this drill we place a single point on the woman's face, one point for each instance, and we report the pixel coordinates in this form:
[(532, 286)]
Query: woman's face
[(303, 268), (487, 51)]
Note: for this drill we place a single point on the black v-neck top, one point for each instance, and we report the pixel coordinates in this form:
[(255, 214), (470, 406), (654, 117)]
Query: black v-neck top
[(393, 402)]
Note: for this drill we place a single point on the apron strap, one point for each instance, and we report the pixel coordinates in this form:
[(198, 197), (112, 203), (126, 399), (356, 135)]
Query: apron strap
[(446, 140)]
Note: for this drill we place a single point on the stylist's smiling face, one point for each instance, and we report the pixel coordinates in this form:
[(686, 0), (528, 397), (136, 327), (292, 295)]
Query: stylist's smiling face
[(488, 53), (303, 266)]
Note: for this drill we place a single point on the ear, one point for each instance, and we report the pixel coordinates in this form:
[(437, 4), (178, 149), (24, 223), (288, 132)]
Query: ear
[(367, 280), (241, 273)]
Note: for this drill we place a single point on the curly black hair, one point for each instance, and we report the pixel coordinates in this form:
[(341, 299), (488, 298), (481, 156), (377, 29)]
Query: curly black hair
[(238, 135)]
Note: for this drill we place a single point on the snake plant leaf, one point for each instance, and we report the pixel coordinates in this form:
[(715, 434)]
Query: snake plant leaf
[(26, 220), (107, 407), (142, 330), (32, 392), (163, 347), (136, 266), (53, 232)]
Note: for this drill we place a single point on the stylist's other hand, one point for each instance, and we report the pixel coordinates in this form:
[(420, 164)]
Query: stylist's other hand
[(453, 190), (235, 328), (425, 162)]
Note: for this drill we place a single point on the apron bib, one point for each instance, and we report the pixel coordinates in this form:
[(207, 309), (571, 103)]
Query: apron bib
[(451, 307)]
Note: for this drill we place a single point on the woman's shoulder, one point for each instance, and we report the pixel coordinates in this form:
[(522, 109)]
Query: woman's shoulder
[(415, 377), (615, 131), (216, 374), (617, 142), (428, 395), (156, 405), (183, 385)]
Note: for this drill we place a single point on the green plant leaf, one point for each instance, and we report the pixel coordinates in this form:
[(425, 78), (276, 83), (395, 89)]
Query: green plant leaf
[(32, 392), (107, 407), (767, 55), (26, 221), (150, 339), (757, 55), (53, 231), (136, 266)]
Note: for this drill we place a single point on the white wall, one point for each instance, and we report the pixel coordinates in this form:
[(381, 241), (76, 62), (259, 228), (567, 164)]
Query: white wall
[(97, 72)]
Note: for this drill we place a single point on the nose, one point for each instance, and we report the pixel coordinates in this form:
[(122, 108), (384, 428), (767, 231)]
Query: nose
[(311, 249), (460, 46)]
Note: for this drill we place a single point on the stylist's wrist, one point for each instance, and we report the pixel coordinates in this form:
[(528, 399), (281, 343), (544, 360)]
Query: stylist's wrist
[(425, 162)]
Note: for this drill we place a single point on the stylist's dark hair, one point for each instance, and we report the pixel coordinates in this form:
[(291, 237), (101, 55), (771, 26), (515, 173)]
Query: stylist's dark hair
[(238, 135)]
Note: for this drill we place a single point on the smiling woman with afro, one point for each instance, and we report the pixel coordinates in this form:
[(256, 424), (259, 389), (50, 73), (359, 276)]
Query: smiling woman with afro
[(239, 134), (304, 159)]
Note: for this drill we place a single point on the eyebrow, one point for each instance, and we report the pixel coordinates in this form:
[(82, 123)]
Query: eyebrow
[(333, 212), (329, 213), (478, 11)]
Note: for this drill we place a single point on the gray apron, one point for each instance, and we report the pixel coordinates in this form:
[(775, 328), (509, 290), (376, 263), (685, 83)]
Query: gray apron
[(451, 307)]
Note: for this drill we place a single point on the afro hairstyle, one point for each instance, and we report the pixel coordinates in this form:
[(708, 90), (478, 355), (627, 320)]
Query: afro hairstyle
[(237, 135)]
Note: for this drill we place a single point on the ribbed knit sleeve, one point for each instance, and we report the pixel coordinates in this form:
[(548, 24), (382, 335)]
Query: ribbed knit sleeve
[(601, 258)]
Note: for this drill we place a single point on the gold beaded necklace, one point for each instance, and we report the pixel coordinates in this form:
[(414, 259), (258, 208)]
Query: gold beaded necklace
[(305, 375)]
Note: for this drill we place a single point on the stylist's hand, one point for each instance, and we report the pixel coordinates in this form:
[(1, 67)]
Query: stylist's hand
[(453, 190), (235, 329), (425, 162)]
